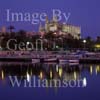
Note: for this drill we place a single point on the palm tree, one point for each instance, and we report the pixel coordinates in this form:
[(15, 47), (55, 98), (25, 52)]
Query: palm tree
[(11, 28)]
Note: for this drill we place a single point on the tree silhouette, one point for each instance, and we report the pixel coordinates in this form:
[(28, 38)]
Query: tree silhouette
[(11, 28)]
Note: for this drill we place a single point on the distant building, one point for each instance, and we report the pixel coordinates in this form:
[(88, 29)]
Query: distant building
[(75, 31), (65, 29), (29, 34), (3, 29), (52, 25)]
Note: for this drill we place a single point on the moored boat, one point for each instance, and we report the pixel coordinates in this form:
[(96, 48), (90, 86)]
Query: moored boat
[(35, 60), (50, 60)]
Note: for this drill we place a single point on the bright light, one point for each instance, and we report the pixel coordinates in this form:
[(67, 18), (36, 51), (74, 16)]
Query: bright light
[(75, 75), (2, 74), (28, 77), (84, 41), (28, 43), (41, 75), (57, 46), (60, 72), (84, 82), (91, 69), (50, 74), (97, 69), (55, 33), (57, 68), (97, 46)]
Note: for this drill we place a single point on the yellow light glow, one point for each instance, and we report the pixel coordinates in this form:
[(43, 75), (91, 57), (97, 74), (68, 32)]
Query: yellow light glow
[(75, 75), (51, 74), (91, 70), (97, 46), (2, 74), (60, 72), (97, 69), (41, 75), (57, 68)]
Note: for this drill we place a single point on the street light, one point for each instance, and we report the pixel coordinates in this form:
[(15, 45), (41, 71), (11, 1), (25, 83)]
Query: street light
[(29, 46), (28, 43), (84, 41)]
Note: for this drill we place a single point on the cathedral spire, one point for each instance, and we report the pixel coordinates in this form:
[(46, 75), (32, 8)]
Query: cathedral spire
[(55, 19), (46, 20), (46, 24)]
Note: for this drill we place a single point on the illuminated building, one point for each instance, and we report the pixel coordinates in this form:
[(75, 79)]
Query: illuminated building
[(65, 29), (97, 46), (75, 31), (3, 29)]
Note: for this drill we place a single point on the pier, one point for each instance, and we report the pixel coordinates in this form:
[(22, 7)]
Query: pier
[(48, 56)]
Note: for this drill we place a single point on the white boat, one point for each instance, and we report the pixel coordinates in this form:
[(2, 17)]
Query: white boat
[(35, 60), (73, 64), (73, 61), (69, 62), (63, 61), (50, 60)]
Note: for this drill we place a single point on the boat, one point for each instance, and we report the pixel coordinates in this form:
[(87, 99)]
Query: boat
[(73, 64), (63, 61), (50, 60), (73, 61), (35, 60)]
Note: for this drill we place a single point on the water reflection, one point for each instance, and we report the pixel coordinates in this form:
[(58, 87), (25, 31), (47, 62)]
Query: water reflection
[(48, 71)]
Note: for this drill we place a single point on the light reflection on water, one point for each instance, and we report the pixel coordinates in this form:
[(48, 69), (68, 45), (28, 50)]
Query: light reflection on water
[(90, 74), (48, 71)]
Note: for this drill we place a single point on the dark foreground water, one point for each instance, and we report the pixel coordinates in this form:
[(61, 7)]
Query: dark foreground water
[(35, 81)]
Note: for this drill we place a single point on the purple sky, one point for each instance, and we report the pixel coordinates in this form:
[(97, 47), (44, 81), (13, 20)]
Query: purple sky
[(84, 13)]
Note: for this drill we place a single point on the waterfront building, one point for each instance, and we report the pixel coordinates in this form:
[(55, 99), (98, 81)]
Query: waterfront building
[(65, 29), (3, 29), (75, 31)]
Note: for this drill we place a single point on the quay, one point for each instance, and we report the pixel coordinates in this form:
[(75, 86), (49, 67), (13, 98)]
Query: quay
[(43, 60), (42, 57)]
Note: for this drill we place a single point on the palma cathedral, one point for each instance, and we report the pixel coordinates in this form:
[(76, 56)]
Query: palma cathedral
[(60, 28)]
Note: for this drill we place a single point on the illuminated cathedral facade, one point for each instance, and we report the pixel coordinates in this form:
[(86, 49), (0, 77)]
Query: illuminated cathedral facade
[(60, 28)]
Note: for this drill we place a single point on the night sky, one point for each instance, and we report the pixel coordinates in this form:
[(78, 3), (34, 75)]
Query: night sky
[(84, 13)]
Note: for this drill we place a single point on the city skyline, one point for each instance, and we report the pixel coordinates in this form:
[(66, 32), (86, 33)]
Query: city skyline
[(83, 13)]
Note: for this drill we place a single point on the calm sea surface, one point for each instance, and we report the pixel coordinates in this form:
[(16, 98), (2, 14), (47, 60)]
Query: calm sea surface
[(37, 81)]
